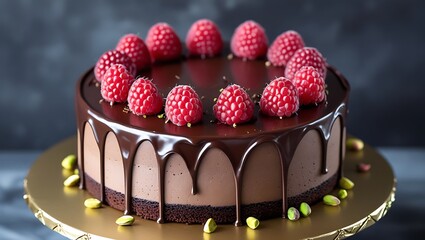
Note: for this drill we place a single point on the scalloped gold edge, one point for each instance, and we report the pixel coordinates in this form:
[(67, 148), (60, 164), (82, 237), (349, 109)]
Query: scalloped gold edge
[(73, 233), (364, 223), (52, 223)]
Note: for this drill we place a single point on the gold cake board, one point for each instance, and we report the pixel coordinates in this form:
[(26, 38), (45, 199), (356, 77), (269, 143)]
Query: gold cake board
[(62, 208)]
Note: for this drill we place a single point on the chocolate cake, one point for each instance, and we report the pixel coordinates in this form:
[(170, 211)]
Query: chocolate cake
[(146, 166)]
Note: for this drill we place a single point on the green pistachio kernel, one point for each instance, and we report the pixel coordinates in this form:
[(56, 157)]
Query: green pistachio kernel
[(293, 214), (354, 144), (210, 226), (305, 209), (342, 194), (346, 183), (72, 181), (252, 222), (69, 162), (92, 203), (331, 200), (125, 220)]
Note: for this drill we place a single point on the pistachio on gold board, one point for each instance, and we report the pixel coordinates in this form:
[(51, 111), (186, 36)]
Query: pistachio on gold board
[(363, 167), (252, 222), (125, 220), (69, 162), (305, 209), (92, 203), (354, 144), (342, 194), (210, 226), (331, 200), (346, 183), (293, 214), (72, 181)]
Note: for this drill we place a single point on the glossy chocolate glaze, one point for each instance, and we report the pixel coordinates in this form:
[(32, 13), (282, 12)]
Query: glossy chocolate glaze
[(207, 77)]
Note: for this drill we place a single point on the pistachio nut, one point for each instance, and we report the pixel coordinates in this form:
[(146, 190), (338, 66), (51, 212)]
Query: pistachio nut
[(331, 200), (125, 220), (293, 214), (69, 162), (92, 203), (354, 144), (210, 226), (252, 222), (346, 183), (305, 209), (71, 181), (363, 167), (342, 194)]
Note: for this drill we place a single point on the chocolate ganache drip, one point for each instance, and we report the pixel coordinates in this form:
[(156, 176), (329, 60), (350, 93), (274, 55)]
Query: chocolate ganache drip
[(207, 77)]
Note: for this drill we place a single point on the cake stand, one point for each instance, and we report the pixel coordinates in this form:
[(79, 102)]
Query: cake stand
[(62, 208)]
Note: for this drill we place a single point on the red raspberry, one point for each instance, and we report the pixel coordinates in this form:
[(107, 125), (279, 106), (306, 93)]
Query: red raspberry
[(136, 49), (279, 98), (110, 58), (204, 39), (284, 47), (249, 41), (310, 85), (306, 56), (233, 106), (144, 98), (163, 43), (116, 84), (183, 106)]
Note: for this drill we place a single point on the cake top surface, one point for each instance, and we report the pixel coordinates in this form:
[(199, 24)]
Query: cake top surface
[(207, 77)]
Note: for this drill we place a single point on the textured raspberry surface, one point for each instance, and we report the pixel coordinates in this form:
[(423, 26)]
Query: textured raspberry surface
[(233, 106), (163, 43), (136, 49), (249, 41), (306, 56), (284, 47), (144, 98), (279, 98), (116, 84), (204, 39), (310, 85), (183, 106), (110, 58)]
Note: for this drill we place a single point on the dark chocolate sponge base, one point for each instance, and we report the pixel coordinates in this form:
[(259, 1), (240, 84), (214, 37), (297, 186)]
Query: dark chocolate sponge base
[(199, 214)]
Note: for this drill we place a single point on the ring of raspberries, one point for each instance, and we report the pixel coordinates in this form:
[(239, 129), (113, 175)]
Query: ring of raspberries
[(303, 82)]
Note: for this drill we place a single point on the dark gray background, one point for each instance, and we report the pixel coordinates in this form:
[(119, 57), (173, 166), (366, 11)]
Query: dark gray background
[(46, 45)]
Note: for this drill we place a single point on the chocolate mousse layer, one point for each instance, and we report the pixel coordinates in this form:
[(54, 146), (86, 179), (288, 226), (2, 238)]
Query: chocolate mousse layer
[(184, 213)]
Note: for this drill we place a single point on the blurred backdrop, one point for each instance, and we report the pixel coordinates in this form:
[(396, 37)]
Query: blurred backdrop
[(46, 45)]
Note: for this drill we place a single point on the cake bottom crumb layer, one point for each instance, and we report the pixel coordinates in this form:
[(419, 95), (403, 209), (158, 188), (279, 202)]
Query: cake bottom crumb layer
[(191, 214)]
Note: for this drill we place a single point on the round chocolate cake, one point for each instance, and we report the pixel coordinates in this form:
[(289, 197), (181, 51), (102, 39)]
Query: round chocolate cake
[(164, 172)]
